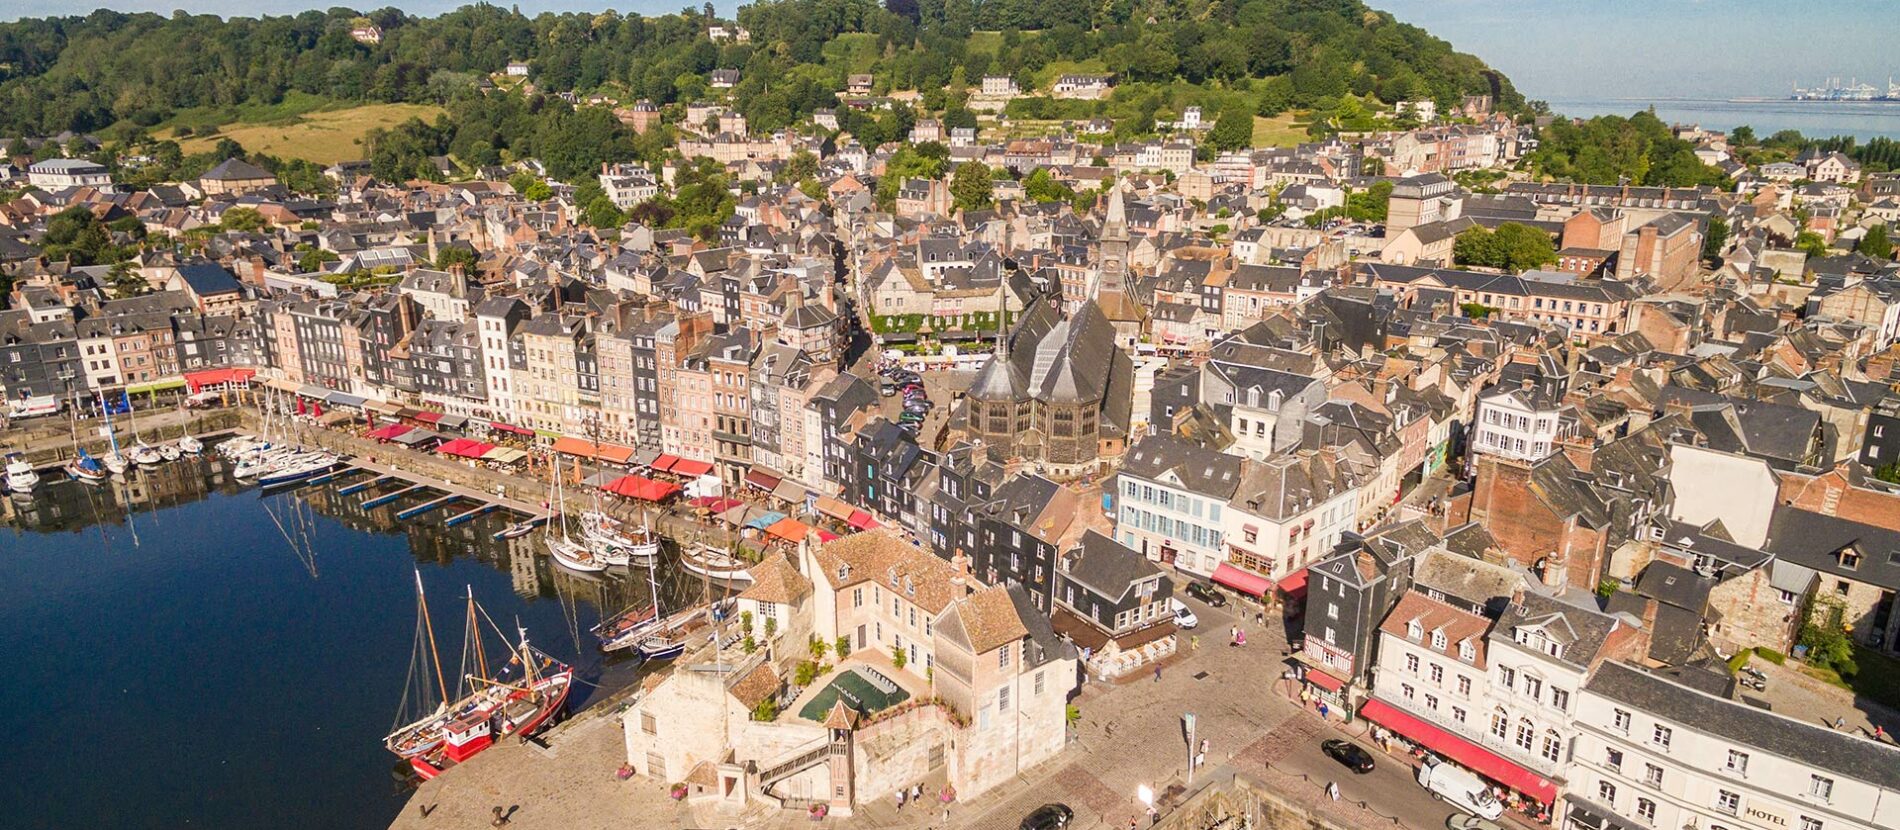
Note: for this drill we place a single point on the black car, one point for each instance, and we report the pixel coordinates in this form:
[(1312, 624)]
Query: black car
[(1048, 817), (1346, 752), (1206, 593)]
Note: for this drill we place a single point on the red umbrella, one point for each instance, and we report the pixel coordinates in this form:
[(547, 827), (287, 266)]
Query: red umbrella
[(316, 410), (300, 406)]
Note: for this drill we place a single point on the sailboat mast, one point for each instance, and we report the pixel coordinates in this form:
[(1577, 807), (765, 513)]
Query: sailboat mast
[(475, 636), (422, 607)]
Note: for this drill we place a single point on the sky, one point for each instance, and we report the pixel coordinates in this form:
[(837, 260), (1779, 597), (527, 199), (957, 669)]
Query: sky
[(1552, 49), (1570, 49)]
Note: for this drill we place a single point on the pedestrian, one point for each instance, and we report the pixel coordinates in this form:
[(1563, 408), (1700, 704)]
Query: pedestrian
[(1332, 789), (1840, 723), (1194, 642), (1157, 672), (900, 799), (916, 792), (1880, 733)]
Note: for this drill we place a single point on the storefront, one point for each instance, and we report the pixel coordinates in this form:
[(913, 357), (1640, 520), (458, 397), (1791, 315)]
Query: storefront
[(1524, 791)]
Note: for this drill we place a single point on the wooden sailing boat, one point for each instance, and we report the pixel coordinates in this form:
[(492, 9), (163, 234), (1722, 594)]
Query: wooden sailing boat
[(568, 553), (525, 694), (627, 628)]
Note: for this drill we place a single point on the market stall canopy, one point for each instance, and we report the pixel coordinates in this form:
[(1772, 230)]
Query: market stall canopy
[(388, 432), (789, 529)]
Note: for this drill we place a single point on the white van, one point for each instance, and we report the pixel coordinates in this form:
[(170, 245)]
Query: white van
[(1459, 786)]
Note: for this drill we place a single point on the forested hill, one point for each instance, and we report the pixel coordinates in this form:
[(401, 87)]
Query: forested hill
[(104, 69)]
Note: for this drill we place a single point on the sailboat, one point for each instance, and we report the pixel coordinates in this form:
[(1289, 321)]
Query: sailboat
[(190, 445), (86, 468), (568, 553), (627, 628), (115, 461), (143, 454), (713, 563), (525, 694)]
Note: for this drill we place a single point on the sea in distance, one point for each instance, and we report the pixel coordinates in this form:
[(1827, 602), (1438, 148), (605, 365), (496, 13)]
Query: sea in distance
[(1815, 119), (182, 652)]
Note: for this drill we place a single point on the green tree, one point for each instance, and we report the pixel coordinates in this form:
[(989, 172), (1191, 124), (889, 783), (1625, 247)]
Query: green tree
[(1876, 243), (241, 219), (1234, 130), (1512, 247), (1715, 238), (603, 213), (449, 256), (314, 259), (1811, 243), (971, 187)]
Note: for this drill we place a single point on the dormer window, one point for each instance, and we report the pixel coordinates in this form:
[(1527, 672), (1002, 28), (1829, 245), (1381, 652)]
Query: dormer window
[(1850, 558), (1466, 651), (1438, 640), (1413, 630)]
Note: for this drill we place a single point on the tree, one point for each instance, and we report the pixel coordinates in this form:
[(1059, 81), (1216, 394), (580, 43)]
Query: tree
[(242, 219), (1811, 243), (1512, 247), (842, 647), (1715, 239), (1234, 130), (314, 259), (1876, 243), (448, 257), (971, 186), (603, 213)]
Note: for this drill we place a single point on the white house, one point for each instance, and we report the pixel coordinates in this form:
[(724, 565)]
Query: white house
[(1656, 753), (59, 174), (1524, 423), (1173, 495)]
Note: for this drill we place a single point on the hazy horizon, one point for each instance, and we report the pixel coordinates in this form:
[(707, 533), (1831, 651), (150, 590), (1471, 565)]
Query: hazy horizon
[(1551, 49)]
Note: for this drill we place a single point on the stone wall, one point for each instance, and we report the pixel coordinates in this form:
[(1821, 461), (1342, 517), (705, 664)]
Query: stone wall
[(897, 751), (1240, 804)]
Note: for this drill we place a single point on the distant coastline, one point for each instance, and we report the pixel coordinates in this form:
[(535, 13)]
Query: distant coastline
[(1815, 119)]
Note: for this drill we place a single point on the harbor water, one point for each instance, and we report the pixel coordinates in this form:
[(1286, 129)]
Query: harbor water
[(183, 652), (1814, 119)]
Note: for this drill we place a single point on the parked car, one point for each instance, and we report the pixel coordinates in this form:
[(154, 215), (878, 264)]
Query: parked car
[(910, 418), (887, 389), (1348, 753), (1048, 817), (1207, 593), (1183, 615)]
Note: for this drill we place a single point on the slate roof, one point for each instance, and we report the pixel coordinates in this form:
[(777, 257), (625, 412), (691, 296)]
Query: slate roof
[(1200, 469), (1815, 540), (1106, 566), (236, 170), (1848, 755)]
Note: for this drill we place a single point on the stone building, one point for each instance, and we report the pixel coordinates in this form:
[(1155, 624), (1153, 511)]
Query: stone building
[(1056, 393)]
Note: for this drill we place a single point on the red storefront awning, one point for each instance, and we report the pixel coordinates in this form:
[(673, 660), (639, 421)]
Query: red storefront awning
[(717, 504), (388, 431), (465, 448), (1324, 680), (665, 462), (689, 467), (762, 480), (429, 417), (1467, 754), (1294, 584), (497, 425), (214, 377), (1251, 584), (641, 487), (861, 520), (825, 535)]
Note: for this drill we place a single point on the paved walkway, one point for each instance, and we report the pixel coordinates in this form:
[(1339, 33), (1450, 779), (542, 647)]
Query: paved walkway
[(1129, 735)]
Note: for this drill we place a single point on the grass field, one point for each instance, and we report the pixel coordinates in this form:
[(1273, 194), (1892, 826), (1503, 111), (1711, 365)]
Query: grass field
[(1283, 130), (322, 136)]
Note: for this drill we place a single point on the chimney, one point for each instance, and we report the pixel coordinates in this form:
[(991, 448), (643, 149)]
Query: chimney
[(1581, 452), (1551, 570)]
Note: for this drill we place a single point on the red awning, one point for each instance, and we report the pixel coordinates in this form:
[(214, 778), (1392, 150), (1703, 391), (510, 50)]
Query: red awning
[(665, 462), (689, 467), (1246, 582), (388, 431), (429, 417), (826, 535), (614, 453), (214, 377), (1294, 584), (717, 504), (762, 480), (1324, 680), (861, 520), (789, 529), (465, 448), (511, 428), (1478, 759), (640, 487)]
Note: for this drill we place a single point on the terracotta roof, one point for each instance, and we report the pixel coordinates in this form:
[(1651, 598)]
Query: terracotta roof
[(990, 620), (841, 716), (760, 683), (881, 556), (1434, 615), (776, 580)]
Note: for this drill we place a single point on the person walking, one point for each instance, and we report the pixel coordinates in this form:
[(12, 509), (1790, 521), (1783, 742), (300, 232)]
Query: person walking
[(1157, 672)]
